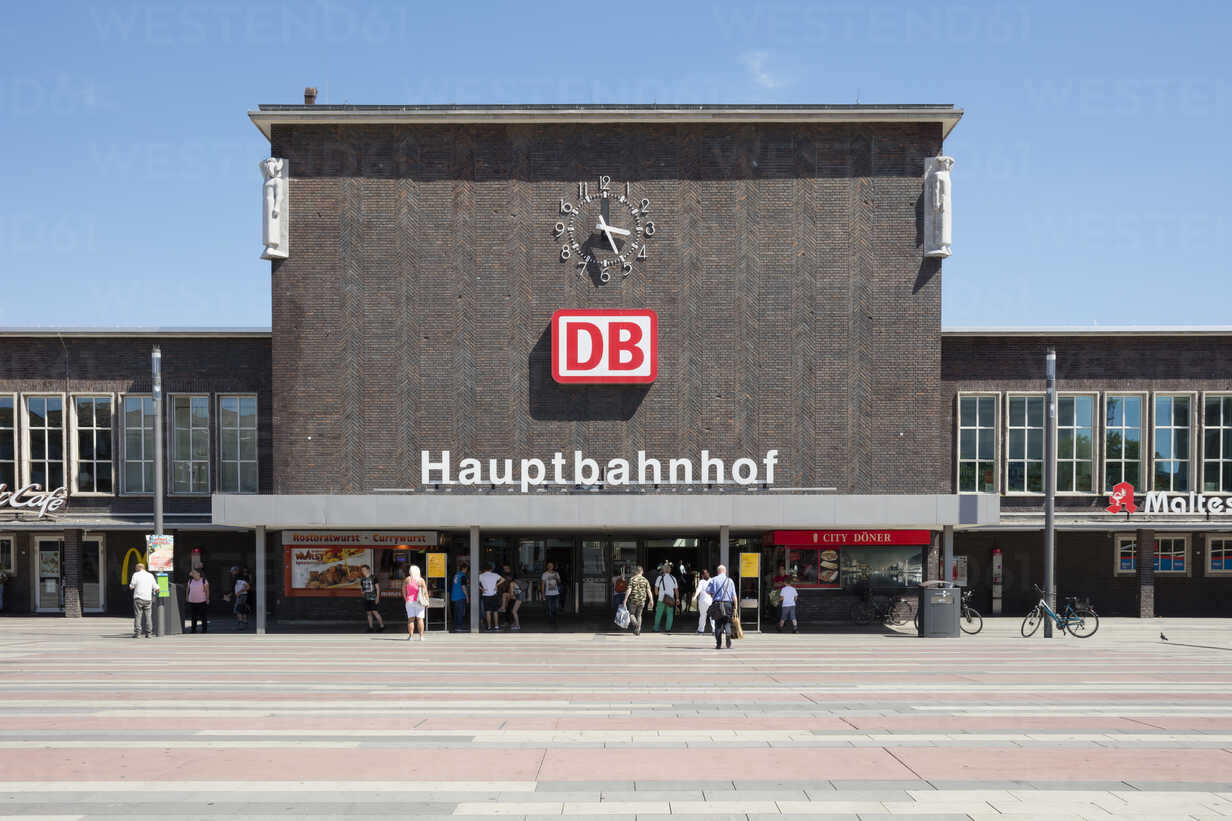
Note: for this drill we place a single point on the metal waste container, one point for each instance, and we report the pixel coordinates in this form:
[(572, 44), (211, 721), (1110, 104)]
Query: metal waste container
[(939, 611)]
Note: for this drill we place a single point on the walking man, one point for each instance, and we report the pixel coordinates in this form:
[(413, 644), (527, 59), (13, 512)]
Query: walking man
[(667, 590), (371, 588), (551, 591), (722, 591), (460, 596), (144, 587), (636, 596)]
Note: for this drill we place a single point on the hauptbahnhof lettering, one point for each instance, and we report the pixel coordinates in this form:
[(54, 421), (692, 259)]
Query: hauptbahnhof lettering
[(604, 336)]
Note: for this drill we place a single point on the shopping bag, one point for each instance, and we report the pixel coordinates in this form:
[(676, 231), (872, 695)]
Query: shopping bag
[(622, 617), (737, 631)]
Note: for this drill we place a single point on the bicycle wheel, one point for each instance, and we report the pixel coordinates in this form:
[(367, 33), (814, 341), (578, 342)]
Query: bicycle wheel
[(862, 612), (1031, 622), (898, 613), (1082, 625), (971, 622)]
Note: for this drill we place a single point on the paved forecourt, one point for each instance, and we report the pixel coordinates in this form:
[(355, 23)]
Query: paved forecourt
[(875, 725)]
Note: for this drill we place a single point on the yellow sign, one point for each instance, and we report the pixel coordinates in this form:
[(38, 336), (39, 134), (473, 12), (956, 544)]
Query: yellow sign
[(750, 565), (436, 565), (136, 557)]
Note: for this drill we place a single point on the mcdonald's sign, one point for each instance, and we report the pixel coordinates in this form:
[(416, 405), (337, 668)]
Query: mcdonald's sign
[(132, 557)]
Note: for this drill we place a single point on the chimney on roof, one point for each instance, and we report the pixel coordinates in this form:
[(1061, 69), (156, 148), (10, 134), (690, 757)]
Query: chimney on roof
[(310, 95)]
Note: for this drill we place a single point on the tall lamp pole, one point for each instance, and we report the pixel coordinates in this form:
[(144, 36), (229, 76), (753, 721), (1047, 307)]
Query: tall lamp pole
[(156, 374), (1050, 489)]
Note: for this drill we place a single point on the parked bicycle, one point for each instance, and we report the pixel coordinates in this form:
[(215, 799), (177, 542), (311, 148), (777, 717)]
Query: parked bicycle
[(893, 610), (969, 620), (1078, 617)]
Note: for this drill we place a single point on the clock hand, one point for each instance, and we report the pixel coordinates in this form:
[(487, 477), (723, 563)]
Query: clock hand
[(607, 229), (603, 226)]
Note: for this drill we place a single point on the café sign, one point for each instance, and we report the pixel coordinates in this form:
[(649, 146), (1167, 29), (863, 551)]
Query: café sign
[(33, 497)]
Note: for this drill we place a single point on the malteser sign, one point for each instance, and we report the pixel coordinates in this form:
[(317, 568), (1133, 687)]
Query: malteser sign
[(1122, 499), (605, 347), (33, 497)]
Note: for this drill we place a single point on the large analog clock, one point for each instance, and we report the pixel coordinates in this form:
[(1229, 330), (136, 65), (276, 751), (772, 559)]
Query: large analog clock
[(603, 232)]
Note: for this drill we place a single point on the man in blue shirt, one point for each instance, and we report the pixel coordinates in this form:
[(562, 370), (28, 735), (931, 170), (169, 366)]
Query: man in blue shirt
[(723, 591), (460, 595)]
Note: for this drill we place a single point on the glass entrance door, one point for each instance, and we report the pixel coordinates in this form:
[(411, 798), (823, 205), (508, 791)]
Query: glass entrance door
[(595, 576), (48, 595), (92, 575)]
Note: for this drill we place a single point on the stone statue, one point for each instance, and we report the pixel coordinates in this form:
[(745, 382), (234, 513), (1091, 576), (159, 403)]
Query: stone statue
[(274, 224), (938, 216)]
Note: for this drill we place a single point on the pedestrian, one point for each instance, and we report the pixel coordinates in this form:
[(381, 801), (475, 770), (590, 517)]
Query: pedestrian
[(198, 600), (511, 600), (636, 598), (703, 599), (619, 585), (722, 592), (144, 587), (460, 596), (489, 583), (415, 593), (787, 606), (242, 608), (550, 580), (666, 589), (371, 590)]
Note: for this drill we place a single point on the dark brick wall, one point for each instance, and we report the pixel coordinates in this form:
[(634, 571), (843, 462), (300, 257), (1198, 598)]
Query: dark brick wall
[(796, 311)]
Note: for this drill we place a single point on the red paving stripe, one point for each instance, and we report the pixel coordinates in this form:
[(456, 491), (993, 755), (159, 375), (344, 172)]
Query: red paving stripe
[(751, 764), (1143, 763)]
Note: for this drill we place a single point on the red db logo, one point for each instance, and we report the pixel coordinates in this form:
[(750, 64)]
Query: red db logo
[(1122, 496), (598, 347)]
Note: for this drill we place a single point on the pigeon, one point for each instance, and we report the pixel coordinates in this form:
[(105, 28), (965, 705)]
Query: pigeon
[(1162, 637)]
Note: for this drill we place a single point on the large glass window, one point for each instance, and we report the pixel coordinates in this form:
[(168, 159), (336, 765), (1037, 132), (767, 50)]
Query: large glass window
[(138, 444), (93, 470), (1170, 554), (190, 459), (1123, 441), (237, 444), (8, 442), (1217, 450), (977, 444), (1219, 554), (1025, 472), (1075, 432), (8, 556), (45, 440), (1172, 444)]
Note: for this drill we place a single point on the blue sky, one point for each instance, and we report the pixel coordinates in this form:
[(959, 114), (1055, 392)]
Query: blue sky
[(1089, 186)]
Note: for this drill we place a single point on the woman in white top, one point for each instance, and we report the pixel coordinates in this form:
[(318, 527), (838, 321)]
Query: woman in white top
[(703, 600), (415, 592)]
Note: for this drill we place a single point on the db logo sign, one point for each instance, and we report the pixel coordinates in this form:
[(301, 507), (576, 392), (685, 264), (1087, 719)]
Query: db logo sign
[(605, 347)]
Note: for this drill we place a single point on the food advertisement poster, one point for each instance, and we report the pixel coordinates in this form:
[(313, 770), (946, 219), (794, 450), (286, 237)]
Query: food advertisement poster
[(160, 553), (321, 563)]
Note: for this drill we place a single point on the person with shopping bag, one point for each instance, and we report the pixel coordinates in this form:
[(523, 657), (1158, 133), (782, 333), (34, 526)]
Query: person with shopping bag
[(722, 592), (637, 597)]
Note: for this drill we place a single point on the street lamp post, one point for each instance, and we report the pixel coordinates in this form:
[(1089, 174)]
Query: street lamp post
[(156, 375), (1050, 488)]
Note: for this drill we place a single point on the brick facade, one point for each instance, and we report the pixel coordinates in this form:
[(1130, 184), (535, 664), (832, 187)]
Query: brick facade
[(796, 311)]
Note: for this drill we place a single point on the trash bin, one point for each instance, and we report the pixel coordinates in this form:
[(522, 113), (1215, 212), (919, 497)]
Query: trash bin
[(939, 610)]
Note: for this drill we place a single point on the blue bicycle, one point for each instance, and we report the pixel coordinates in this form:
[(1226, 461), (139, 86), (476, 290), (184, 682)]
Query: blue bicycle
[(1078, 617)]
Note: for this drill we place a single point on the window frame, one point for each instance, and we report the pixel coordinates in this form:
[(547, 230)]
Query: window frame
[(996, 440), (1043, 396), (123, 487), (1226, 461), (1096, 484), (170, 454), (75, 456), (64, 432), (1120, 538), (11, 536), (1210, 537), (256, 430), (17, 451), (1144, 440), (1192, 396)]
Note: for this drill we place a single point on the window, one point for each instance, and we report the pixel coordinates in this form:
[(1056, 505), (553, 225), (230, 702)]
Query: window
[(1122, 441), (138, 444), (190, 452), (1170, 554), (93, 467), (8, 554), (1025, 470), (1219, 554), (1075, 432), (8, 442), (1217, 450), (237, 444), (45, 440), (977, 444), (1172, 444)]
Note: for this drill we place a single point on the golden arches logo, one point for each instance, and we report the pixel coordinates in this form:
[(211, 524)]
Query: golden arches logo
[(136, 557)]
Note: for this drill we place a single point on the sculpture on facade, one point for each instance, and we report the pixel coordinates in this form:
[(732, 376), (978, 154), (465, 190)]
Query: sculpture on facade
[(274, 224), (937, 210)]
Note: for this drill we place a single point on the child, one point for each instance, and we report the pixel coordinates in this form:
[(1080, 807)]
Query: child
[(787, 606)]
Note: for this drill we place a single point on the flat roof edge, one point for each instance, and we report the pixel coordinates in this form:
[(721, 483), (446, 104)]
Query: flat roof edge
[(241, 332), (1095, 330), (267, 116)]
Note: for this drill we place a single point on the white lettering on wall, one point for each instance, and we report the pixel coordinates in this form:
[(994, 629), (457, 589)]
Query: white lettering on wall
[(33, 496)]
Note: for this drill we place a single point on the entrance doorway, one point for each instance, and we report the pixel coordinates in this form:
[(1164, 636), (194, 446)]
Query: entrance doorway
[(49, 579)]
